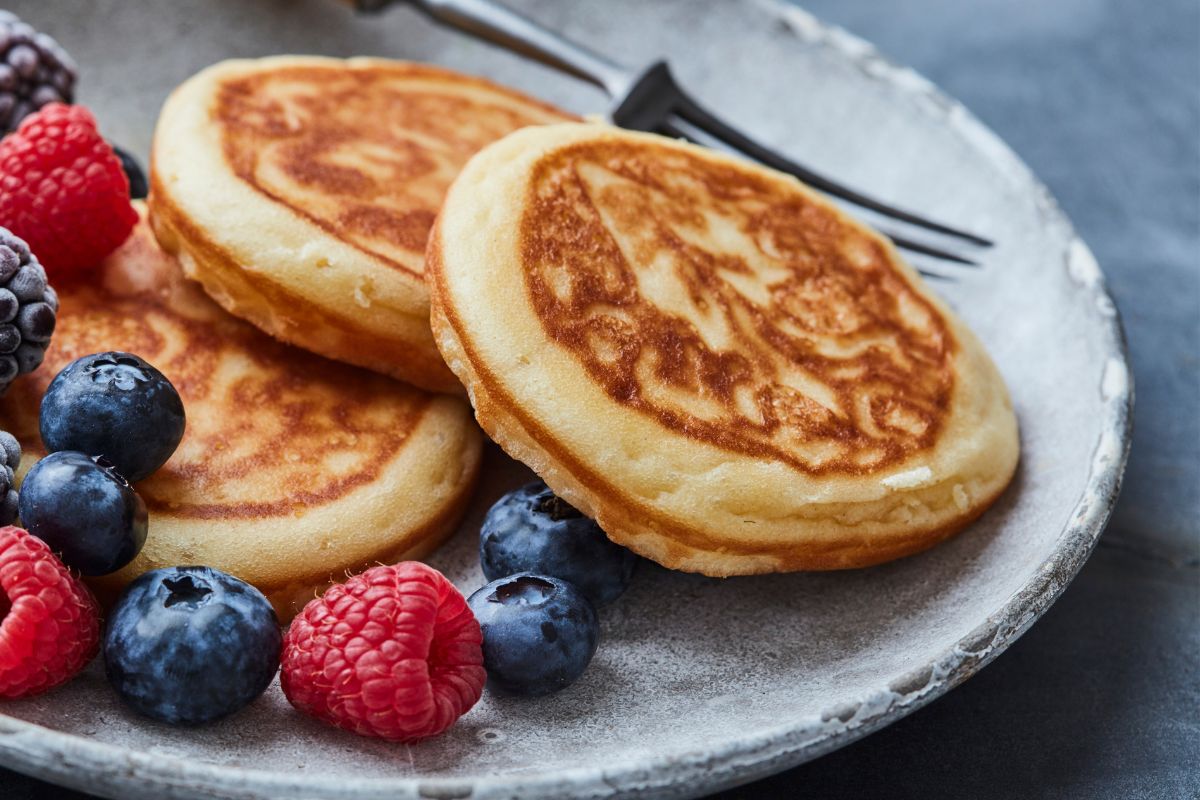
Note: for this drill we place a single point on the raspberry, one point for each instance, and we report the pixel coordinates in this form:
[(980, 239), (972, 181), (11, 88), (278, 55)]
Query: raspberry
[(393, 653), (63, 191), (51, 627)]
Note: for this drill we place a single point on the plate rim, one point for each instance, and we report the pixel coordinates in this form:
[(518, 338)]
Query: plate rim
[(94, 766)]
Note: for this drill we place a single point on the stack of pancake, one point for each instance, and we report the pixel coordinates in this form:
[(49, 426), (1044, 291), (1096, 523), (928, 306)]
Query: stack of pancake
[(729, 374)]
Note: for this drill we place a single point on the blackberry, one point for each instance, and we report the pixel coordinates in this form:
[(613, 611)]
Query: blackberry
[(34, 71), (28, 309), (10, 458)]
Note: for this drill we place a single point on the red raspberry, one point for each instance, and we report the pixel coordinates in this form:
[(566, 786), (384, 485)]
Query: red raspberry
[(51, 627), (394, 652), (63, 191)]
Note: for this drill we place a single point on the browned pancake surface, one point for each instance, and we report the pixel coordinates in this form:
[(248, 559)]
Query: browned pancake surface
[(271, 430), (808, 347), (365, 154)]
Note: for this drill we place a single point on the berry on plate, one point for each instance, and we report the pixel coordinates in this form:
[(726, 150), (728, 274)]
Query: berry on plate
[(28, 308), (138, 187), (114, 405), (533, 530), (392, 653), (189, 645), (10, 459), (63, 191), (51, 623), (84, 510), (34, 71), (539, 633)]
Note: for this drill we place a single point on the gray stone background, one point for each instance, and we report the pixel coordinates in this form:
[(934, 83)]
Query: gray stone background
[(1101, 699)]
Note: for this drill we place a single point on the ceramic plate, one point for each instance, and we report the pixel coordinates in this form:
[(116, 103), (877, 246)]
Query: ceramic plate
[(699, 683)]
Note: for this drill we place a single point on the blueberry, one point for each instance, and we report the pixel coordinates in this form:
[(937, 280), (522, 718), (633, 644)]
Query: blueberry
[(138, 188), (84, 510), (533, 530), (188, 645), (114, 405), (539, 632)]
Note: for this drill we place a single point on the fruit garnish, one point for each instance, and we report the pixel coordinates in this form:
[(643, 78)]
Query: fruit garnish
[(28, 308), (539, 633), (51, 622), (189, 645), (138, 187), (533, 530), (10, 459), (84, 510), (392, 653), (63, 191), (114, 405), (34, 71)]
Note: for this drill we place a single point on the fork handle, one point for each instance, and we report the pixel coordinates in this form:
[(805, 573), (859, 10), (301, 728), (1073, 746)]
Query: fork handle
[(500, 25)]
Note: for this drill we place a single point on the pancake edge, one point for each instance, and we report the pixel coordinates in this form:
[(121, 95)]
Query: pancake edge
[(399, 351), (637, 525), (389, 334), (289, 591)]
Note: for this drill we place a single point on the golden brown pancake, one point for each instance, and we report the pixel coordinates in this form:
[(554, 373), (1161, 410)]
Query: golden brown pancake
[(294, 469), (300, 192), (724, 370)]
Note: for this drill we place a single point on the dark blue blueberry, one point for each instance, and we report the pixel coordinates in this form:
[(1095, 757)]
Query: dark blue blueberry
[(539, 633), (188, 645), (533, 530), (114, 405), (84, 510), (138, 188)]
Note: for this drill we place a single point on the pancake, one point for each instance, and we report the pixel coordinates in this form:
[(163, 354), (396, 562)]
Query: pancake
[(293, 470), (727, 373), (300, 192)]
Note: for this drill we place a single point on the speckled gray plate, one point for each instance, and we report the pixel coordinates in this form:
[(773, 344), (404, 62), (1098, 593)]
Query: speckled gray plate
[(699, 683)]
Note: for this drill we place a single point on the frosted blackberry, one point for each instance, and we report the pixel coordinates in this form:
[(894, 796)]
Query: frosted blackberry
[(10, 457), (34, 71), (28, 309)]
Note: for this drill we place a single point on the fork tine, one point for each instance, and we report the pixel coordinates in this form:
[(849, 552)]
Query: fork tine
[(937, 276), (667, 128), (929, 250), (675, 132), (693, 112)]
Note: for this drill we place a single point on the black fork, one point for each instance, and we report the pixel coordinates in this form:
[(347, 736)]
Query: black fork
[(651, 100)]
